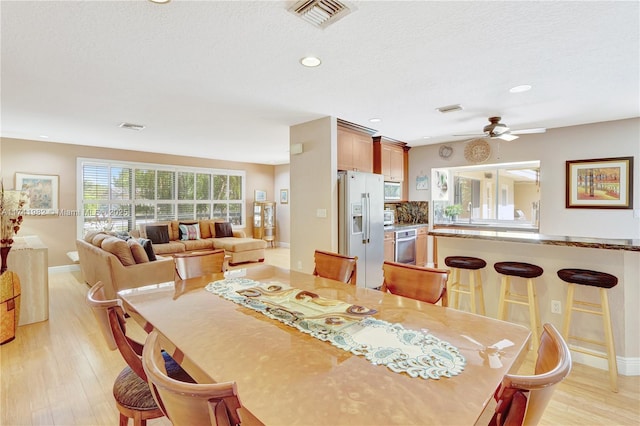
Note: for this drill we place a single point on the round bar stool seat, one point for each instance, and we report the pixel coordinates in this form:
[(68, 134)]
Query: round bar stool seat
[(455, 287), (529, 272), (603, 281)]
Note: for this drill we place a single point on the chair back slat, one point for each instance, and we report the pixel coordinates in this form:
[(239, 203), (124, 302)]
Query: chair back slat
[(415, 282), (336, 266)]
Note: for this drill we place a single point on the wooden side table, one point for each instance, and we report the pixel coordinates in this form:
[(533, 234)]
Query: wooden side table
[(9, 306)]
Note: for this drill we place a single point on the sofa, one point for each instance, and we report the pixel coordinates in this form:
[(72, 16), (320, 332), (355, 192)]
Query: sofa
[(187, 236), (120, 264)]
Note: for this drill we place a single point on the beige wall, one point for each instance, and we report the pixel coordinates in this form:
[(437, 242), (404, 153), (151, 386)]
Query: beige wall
[(283, 211), (313, 176), (59, 233)]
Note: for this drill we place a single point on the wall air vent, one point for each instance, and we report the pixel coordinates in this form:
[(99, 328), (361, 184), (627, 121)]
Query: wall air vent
[(450, 108), (131, 126), (320, 13)]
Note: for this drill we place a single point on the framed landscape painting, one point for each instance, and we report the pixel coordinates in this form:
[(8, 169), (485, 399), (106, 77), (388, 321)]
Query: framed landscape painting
[(602, 183), (42, 190)]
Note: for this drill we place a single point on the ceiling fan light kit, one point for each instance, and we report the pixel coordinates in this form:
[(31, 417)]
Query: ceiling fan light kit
[(497, 130)]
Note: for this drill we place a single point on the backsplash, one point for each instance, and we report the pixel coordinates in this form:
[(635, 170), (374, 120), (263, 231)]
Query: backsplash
[(412, 212)]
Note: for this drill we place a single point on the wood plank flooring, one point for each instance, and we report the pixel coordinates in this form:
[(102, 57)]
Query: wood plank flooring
[(60, 372)]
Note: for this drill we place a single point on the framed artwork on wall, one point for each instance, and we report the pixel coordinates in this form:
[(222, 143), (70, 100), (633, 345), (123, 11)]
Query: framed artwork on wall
[(284, 196), (602, 183), (42, 190), (260, 195)]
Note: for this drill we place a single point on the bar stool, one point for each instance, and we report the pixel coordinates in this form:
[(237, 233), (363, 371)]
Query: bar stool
[(521, 270), (455, 287), (603, 281)]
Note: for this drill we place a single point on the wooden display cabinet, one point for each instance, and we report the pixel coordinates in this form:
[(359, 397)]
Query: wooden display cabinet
[(264, 221)]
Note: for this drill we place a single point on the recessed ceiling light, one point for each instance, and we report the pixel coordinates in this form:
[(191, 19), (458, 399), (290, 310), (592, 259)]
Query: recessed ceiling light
[(520, 89), (310, 61), (375, 120), (426, 137), (160, 1), (44, 136)]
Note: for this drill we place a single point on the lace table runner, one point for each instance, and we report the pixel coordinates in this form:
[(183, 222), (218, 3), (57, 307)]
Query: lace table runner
[(348, 327)]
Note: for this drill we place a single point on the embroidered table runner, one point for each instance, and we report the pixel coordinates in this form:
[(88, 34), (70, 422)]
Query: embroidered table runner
[(348, 327)]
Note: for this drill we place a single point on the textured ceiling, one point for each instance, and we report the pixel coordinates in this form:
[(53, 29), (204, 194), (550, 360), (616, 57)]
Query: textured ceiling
[(222, 79)]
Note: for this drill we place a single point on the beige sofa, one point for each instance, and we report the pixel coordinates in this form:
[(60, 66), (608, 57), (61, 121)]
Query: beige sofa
[(98, 264), (240, 248)]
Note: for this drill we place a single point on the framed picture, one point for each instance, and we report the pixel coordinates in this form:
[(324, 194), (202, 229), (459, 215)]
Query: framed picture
[(602, 183), (422, 182), (42, 190), (284, 196), (259, 195)]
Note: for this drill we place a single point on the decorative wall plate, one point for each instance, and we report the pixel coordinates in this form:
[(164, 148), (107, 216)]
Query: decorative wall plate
[(445, 151), (477, 151)]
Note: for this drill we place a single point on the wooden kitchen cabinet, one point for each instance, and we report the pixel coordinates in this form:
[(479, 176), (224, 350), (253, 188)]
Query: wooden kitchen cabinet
[(421, 246), (389, 158), (389, 246), (355, 150)]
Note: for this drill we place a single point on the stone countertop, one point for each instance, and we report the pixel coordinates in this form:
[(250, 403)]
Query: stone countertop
[(404, 226), (534, 238)]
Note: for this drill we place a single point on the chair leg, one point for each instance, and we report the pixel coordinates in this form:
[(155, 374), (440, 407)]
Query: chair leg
[(608, 333), (480, 290), (568, 309), (124, 420), (502, 306), (534, 316), (472, 292)]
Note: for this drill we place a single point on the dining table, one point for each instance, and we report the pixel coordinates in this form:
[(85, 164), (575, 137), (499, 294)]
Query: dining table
[(289, 372)]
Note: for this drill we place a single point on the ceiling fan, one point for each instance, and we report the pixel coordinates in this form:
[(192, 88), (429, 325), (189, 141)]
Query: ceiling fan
[(496, 129)]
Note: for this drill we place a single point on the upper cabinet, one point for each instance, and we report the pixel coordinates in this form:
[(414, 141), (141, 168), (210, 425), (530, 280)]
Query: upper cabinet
[(389, 158), (355, 148)]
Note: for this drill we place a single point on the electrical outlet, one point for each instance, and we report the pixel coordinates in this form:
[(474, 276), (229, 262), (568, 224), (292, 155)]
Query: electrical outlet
[(299, 265), (556, 307)]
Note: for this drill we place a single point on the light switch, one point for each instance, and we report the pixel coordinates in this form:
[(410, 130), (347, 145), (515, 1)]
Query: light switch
[(321, 213)]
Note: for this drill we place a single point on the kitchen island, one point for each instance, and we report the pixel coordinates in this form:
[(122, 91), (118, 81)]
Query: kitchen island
[(619, 257)]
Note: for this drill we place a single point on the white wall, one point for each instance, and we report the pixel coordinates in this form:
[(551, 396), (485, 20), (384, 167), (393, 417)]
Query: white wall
[(599, 140), (313, 176)]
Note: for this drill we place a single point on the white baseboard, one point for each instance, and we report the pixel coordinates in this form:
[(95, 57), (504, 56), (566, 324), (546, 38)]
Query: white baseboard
[(63, 268), (285, 245), (626, 366)]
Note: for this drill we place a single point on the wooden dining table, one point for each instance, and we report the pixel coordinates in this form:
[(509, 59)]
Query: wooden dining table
[(286, 377)]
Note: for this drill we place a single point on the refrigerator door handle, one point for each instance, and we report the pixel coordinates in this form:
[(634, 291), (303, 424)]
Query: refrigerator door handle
[(367, 227)]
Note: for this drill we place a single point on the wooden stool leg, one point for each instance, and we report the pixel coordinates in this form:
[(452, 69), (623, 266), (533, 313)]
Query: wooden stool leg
[(472, 292), (480, 290), (568, 309), (534, 316), (608, 333), (504, 288), (455, 287)]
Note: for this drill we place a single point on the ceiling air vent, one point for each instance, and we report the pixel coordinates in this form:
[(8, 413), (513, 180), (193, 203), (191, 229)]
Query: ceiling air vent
[(450, 108), (320, 13), (131, 126)]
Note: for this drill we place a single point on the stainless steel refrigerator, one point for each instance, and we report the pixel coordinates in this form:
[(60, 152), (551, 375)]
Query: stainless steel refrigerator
[(360, 223)]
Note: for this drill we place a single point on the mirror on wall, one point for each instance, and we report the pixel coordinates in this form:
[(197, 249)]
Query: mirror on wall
[(500, 195)]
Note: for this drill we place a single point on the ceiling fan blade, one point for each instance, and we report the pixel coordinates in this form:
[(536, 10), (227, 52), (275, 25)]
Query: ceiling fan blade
[(471, 134), (506, 137), (529, 131)]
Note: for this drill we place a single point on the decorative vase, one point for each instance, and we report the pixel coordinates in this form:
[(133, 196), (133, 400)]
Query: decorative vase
[(4, 252)]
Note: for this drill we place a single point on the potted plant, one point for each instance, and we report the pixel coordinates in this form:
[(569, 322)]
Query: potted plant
[(453, 211)]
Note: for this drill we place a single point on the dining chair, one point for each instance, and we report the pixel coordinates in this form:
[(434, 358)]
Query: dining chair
[(188, 403), (199, 263), (521, 400), (130, 389), (336, 266), (415, 282)]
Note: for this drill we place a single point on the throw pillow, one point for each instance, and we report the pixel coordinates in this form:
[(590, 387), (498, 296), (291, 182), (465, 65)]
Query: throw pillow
[(147, 245), (139, 255), (98, 239), (189, 231), (119, 249), (223, 229), (158, 234)]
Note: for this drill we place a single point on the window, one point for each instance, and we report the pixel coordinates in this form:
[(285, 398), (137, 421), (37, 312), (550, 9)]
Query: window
[(500, 195), (120, 196)]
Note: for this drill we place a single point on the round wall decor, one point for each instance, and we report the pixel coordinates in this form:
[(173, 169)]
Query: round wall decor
[(445, 151), (477, 151)]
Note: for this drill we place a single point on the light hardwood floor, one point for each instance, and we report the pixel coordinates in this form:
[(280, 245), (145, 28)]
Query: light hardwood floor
[(60, 372)]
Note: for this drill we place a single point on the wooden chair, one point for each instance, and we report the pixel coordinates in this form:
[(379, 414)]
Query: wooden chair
[(130, 389), (523, 399), (199, 263), (336, 266), (188, 403), (415, 282)]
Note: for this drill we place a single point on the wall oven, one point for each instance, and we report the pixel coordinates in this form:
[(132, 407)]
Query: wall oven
[(406, 246)]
